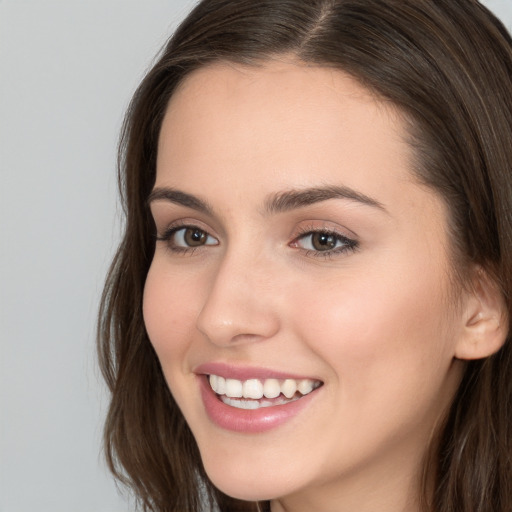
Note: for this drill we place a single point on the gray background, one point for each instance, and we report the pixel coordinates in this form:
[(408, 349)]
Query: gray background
[(67, 71)]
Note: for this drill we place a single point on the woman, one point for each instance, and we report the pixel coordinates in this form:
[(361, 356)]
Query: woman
[(310, 306)]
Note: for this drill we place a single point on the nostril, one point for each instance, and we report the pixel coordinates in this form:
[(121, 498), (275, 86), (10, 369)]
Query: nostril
[(247, 338)]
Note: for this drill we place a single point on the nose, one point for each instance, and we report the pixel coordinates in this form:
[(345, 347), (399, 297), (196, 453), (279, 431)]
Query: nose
[(240, 306)]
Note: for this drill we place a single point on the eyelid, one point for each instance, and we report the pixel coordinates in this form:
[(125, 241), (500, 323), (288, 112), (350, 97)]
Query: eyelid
[(323, 226), (182, 224), (347, 237), (185, 222), (174, 233)]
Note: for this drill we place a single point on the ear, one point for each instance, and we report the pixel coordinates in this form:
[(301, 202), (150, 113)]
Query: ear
[(485, 319)]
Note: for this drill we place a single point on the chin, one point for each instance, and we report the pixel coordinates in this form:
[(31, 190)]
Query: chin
[(248, 484)]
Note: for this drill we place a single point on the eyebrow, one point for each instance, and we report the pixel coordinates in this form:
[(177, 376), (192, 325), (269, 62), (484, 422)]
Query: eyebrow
[(182, 198), (275, 203), (293, 199)]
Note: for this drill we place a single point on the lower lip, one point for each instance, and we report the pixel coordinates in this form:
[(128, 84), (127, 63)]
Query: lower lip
[(249, 420)]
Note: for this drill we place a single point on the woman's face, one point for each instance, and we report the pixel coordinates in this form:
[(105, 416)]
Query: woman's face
[(297, 250)]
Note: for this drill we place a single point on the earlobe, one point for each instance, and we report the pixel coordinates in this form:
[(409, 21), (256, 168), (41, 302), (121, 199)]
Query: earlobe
[(485, 319)]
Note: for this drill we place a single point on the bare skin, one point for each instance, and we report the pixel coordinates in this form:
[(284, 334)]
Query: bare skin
[(352, 290)]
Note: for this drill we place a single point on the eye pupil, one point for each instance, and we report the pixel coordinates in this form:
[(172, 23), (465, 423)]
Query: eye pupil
[(323, 241), (194, 237)]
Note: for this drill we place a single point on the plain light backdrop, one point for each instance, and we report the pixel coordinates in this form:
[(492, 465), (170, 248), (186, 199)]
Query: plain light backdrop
[(67, 71)]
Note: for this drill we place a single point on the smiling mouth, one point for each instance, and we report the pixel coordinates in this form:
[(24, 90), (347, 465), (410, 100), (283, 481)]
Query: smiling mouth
[(256, 393)]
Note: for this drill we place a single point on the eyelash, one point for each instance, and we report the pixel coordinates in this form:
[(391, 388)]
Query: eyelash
[(169, 233), (348, 244)]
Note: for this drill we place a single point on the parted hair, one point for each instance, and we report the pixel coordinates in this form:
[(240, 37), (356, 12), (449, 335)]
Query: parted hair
[(446, 65)]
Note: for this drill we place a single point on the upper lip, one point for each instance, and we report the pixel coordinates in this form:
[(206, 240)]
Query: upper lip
[(245, 372)]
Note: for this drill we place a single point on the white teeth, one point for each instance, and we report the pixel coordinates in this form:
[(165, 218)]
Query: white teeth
[(255, 389), (271, 388), (305, 386), (221, 385), (252, 388), (289, 388), (233, 388), (255, 404), (241, 404), (218, 384)]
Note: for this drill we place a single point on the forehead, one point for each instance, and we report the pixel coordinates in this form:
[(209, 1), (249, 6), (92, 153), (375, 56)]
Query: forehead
[(235, 80), (280, 115), (291, 90)]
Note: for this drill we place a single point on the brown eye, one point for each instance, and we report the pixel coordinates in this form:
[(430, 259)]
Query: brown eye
[(323, 241), (194, 237), (326, 243), (188, 237)]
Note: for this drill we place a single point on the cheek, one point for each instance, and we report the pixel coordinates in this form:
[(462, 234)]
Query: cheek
[(383, 335), (168, 313), (369, 313)]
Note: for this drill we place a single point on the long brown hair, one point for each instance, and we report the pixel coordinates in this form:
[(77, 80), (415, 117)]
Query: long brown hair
[(447, 66)]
